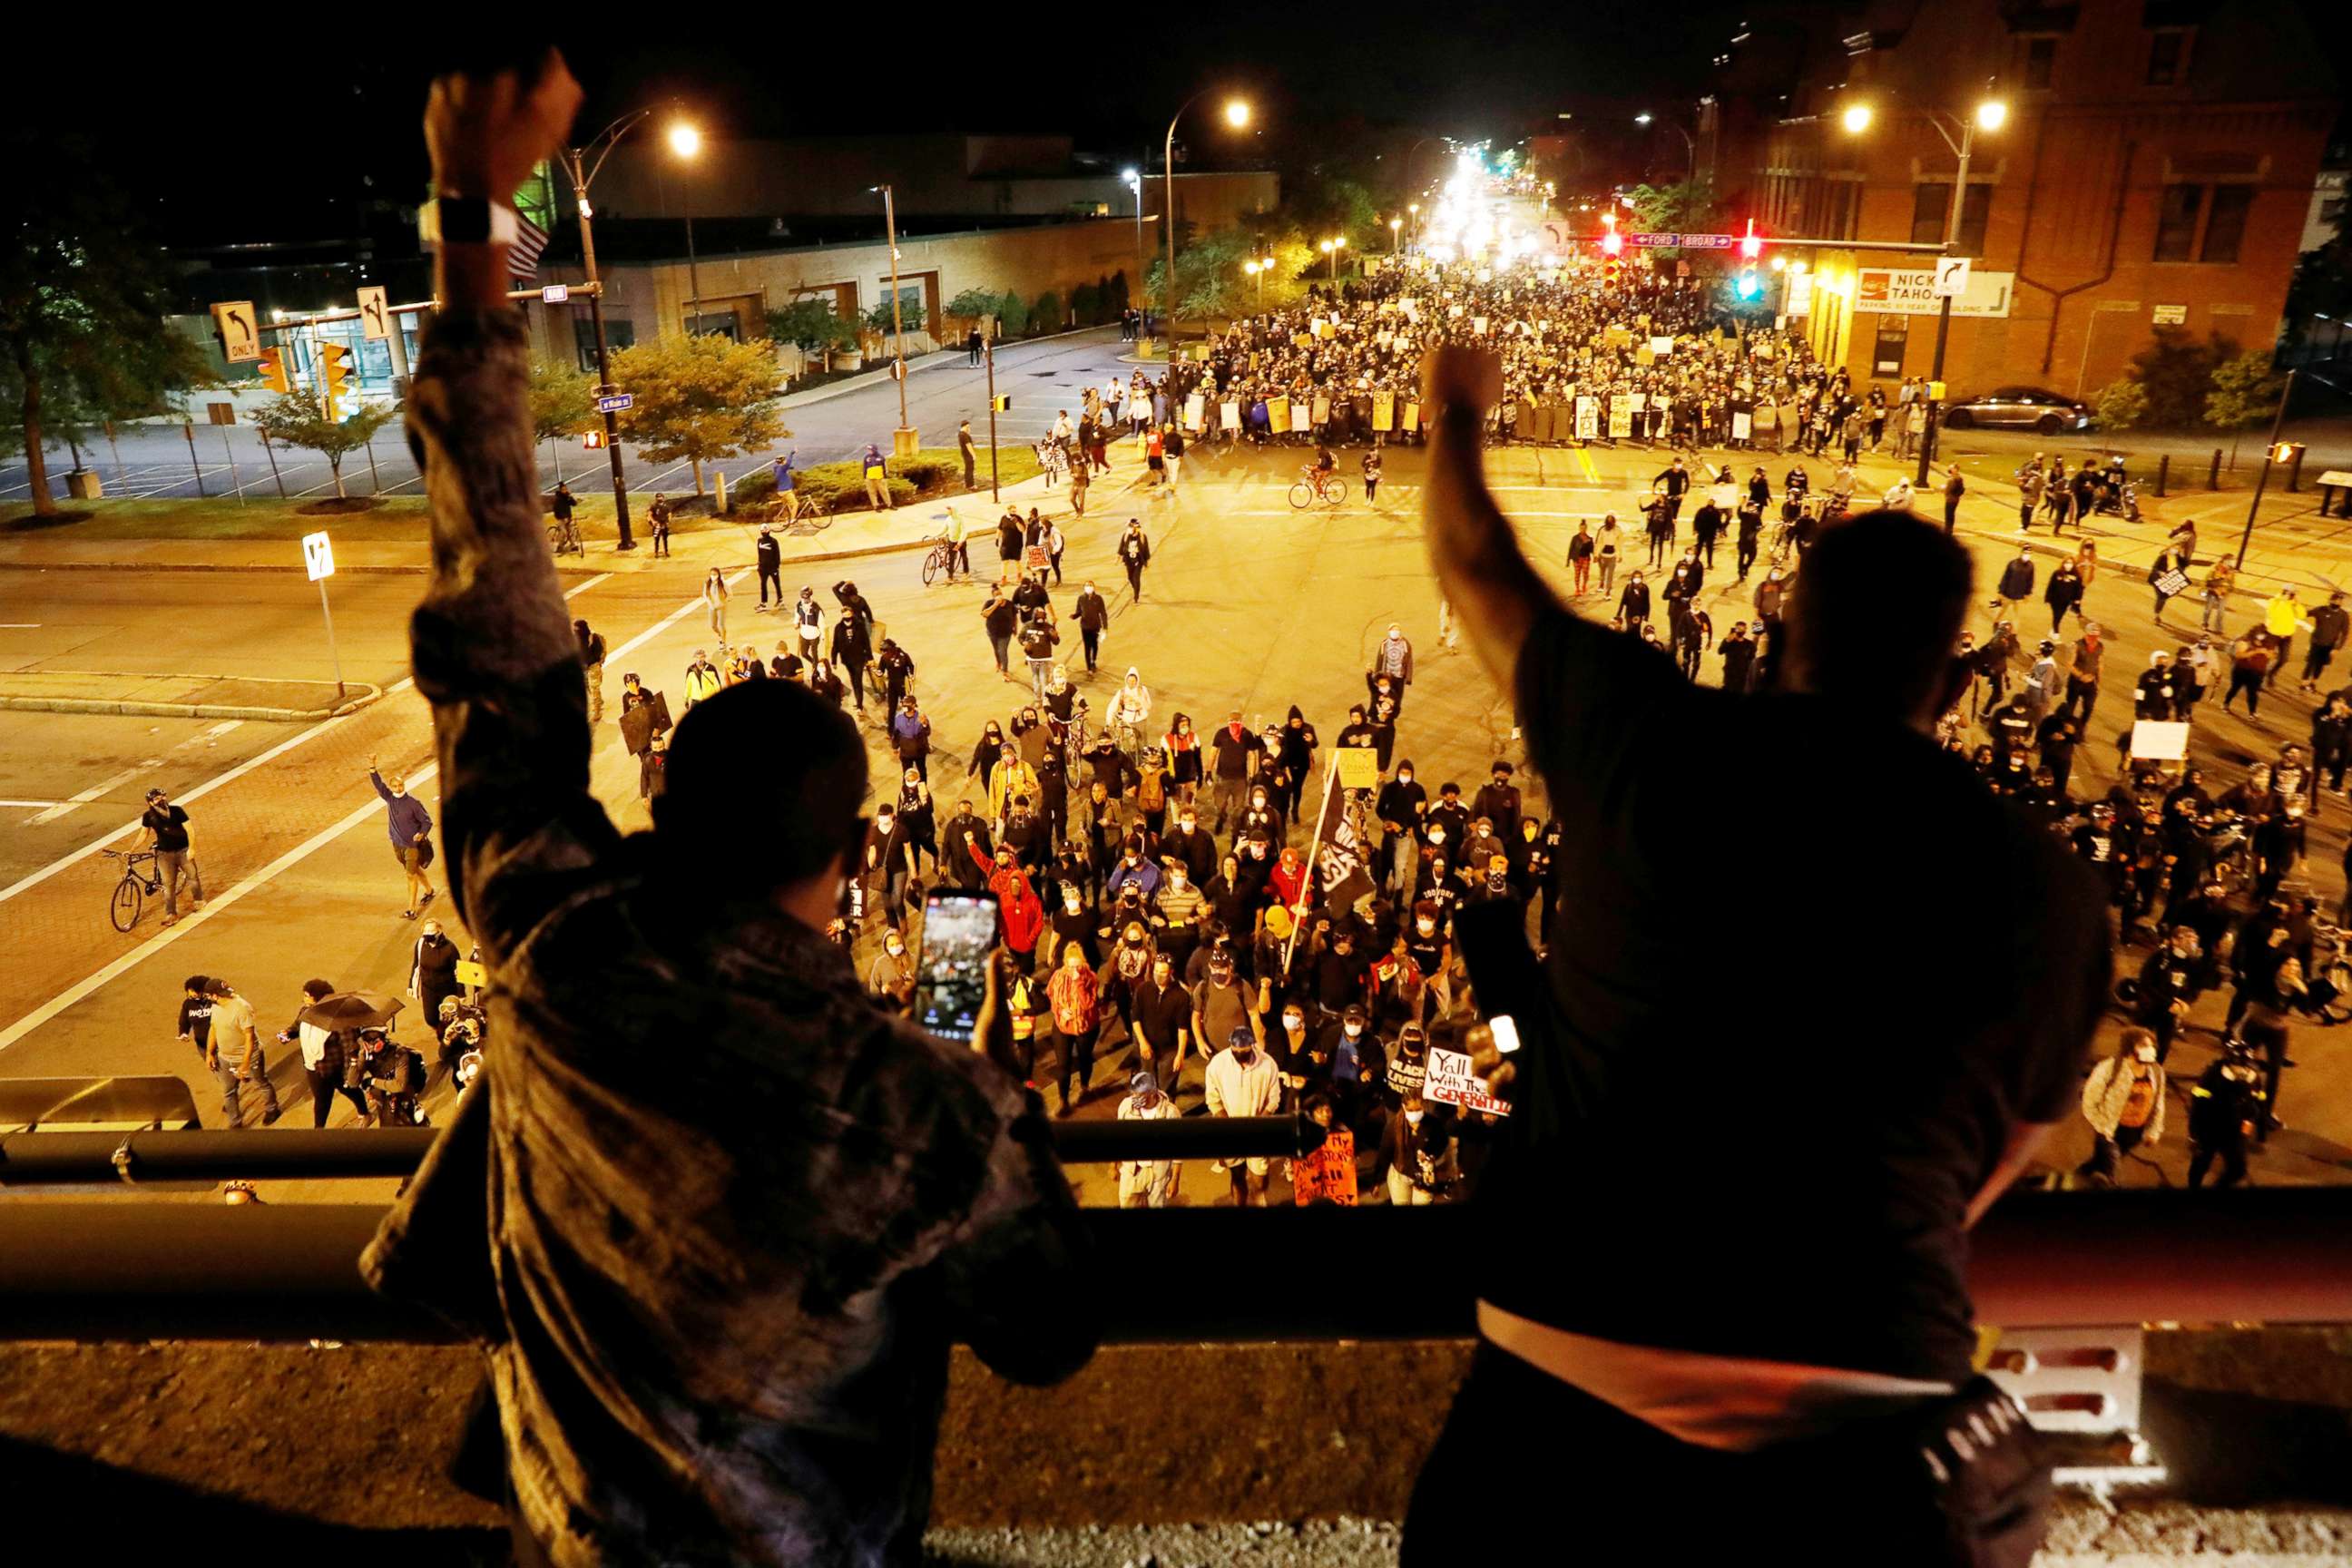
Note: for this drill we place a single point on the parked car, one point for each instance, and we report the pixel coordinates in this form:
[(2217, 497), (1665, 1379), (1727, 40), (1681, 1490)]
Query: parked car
[(2019, 408)]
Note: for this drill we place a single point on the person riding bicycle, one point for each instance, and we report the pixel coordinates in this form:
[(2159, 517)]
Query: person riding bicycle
[(561, 505), (1325, 463)]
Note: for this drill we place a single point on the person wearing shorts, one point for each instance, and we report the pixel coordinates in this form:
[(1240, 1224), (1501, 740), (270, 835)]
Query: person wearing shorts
[(411, 830)]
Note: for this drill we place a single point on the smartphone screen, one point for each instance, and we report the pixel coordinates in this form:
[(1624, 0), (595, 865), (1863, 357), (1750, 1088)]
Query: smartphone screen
[(1505, 1031), (951, 976)]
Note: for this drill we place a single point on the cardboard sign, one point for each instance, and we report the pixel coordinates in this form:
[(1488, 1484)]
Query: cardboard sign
[(1277, 415), (1383, 410), (2173, 582), (1588, 418), (1478, 325), (2159, 740), (1360, 768), (1450, 1082), (1660, 346), (1229, 414), (470, 972), (1621, 418), (1741, 424), (1196, 409)]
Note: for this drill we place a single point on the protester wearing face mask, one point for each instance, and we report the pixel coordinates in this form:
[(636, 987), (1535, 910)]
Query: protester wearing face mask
[(1074, 991), (2225, 1108), (411, 827), (1328, 1176), (1261, 815), (1400, 806), (2124, 1100), (890, 979), (1147, 1183), (1241, 1082), (1160, 1018), (1190, 845), (1403, 1143), (1177, 911), (1134, 868)]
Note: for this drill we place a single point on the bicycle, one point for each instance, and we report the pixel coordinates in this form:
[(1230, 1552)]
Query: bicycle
[(1315, 485), (941, 558), (132, 893), (565, 535)]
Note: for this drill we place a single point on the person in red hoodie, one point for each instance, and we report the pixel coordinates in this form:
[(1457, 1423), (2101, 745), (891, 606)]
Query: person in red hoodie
[(1017, 904), (1288, 882)]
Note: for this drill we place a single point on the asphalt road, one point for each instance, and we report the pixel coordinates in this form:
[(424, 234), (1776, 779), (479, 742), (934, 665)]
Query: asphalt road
[(159, 462), (1249, 605)]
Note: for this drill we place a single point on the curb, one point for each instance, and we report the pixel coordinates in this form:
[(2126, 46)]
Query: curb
[(366, 696), (938, 359)]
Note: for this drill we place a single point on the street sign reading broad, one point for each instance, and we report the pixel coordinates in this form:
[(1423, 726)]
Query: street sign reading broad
[(318, 555), (375, 314), (615, 403), (233, 319)]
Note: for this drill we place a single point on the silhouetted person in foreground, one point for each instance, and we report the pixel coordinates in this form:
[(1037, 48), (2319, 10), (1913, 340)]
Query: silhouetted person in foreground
[(1750, 1339), (734, 1212)]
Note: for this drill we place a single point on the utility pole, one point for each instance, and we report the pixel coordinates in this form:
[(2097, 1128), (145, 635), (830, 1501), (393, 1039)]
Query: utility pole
[(693, 311), (603, 359), (1928, 439), (2278, 422), (988, 357), (903, 438)]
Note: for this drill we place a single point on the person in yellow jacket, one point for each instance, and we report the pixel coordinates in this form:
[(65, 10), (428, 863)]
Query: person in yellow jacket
[(2283, 616), (703, 677), (1012, 779)]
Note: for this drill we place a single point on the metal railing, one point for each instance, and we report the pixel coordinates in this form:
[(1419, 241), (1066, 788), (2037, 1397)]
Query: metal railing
[(172, 1155), (139, 1270)]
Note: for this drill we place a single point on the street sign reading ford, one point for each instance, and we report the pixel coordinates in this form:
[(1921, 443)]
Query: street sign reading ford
[(1683, 241), (614, 403)]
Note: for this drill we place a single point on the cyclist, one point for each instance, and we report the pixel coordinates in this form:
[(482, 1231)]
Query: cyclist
[(567, 535), (166, 828)]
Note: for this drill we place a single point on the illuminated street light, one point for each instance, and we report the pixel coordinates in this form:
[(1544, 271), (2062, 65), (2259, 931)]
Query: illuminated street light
[(685, 139), (1992, 114), (1394, 225), (1643, 118), (1856, 118), (1238, 113)]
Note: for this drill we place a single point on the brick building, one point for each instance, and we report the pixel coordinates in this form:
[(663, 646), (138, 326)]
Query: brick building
[(2154, 168)]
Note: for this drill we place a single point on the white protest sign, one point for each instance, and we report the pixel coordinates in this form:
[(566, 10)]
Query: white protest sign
[(2158, 741), (1450, 1082)]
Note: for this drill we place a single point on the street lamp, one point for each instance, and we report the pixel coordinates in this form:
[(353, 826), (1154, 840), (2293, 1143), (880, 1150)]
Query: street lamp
[(1237, 114), (582, 174), (685, 141), (1134, 178), (1332, 248), (1989, 115), (1689, 146), (1394, 224), (904, 438)]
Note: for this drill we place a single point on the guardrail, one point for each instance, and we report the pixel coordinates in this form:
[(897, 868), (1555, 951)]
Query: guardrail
[(168, 1154), (135, 1270)]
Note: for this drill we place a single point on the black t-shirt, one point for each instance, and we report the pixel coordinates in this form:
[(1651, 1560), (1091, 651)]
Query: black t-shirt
[(169, 826), (1848, 1076)]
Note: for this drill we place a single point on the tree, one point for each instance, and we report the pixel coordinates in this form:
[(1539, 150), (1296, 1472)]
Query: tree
[(1086, 304), (2245, 392), (562, 405), (700, 398), (1013, 313), (83, 295), (292, 419), (1045, 315), (1686, 206), (973, 303), (812, 326), (1115, 298), (2120, 405), (2176, 373)]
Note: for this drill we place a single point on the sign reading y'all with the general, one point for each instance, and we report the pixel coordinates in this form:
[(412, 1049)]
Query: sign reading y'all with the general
[(1450, 1082)]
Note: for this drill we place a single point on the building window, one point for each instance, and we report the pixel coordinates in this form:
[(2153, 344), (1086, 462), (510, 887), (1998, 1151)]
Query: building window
[(2225, 223), (618, 334), (1931, 207), (2168, 52), (2176, 224), (2036, 58)]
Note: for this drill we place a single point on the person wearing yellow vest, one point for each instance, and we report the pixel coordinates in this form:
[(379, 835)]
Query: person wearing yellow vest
[(2283, 618), (2123, 1099)]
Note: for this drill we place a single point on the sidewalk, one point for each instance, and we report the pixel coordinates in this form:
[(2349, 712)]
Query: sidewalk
[(179, 696), (725, 541)]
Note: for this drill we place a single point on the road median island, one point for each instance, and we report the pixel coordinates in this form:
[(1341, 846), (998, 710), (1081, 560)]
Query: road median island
[(180, 696)]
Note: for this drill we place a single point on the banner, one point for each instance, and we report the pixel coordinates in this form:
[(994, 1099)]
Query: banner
[(1277, 415), (1588, 418), (1450, 1081), (1338, 850), (1383, 410)]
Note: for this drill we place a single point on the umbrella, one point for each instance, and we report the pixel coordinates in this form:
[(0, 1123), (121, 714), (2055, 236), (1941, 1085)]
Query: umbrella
[(352, 1010)]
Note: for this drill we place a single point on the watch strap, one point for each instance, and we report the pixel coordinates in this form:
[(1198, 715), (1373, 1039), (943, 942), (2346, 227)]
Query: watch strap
[(465, 220)]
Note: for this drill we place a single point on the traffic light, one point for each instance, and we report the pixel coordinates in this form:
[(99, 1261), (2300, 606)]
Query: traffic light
[(1747, 285), (1611, 242), (2283, 453), (1004, 402), (273, 371), (335, 375), (1750, 247), (593, 439)]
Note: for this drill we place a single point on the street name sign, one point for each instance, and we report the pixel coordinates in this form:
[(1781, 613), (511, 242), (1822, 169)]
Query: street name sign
[(615, 403)]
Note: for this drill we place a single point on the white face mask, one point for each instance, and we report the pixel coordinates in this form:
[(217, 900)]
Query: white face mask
[(1412, 1116), (1293, 1021), (1355, 1031), (1426, 928), (896, 947), (2146, 1052), (1175, 878), (1437, 835)]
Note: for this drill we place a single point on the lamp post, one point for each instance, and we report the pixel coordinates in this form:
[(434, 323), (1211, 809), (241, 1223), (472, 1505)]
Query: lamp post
[(1134, 178), (1989, 115), (1394, 224), (582, 174), (1413, 210), (1332, 248), (686, 142), (903, 438), (1237, 115), (1690, 170)]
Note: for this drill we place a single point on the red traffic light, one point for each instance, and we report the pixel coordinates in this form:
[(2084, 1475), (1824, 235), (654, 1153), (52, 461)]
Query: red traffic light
[(1750, 247), (1613, 243)]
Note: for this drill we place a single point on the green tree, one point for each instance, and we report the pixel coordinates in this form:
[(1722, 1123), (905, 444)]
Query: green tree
[(1116, 298), (1045, 315), (973, 303), (812, 326), (1086, 304), (702, 398), (2243, 393), (2176, 372), (562, 405), (2120, 405), (292, 419), (1012, 311), (1686, 206), (83, 295)]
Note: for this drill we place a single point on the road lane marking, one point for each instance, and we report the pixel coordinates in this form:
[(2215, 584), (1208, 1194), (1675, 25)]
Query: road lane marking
[(212, 906), (600, 577), (26, 803), (76, 803)]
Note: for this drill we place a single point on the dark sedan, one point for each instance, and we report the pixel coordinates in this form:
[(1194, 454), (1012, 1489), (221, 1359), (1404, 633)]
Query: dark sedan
[(2019, 408)]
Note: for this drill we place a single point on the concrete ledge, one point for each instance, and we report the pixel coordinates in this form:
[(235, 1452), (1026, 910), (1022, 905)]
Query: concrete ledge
[(180, 696)]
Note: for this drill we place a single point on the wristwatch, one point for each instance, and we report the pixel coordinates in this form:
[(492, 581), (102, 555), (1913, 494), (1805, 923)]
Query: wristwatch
[(467, 220)]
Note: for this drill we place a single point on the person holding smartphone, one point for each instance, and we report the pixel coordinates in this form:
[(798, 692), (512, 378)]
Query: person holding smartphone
[(782, 1407)]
